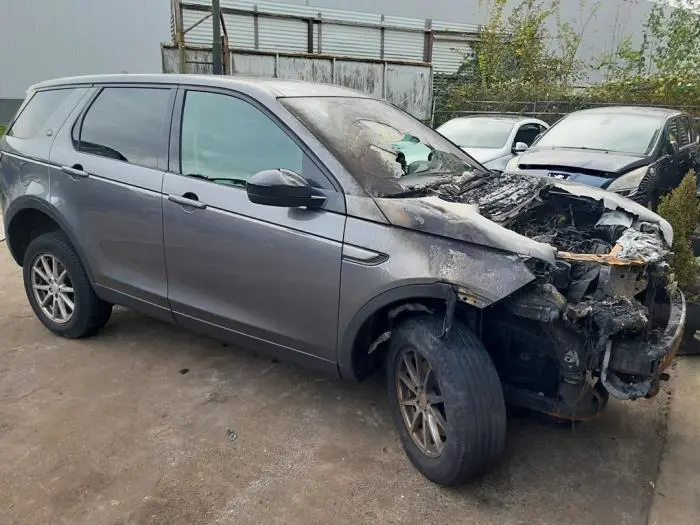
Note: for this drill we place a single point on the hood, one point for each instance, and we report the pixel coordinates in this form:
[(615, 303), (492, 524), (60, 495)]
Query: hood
[(502, 211), (484, 154), (588, 160)]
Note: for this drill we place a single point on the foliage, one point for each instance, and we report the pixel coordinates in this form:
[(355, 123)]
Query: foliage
[(663, 69), (2, 130), (517, 57), (680, 209), (529, 54)]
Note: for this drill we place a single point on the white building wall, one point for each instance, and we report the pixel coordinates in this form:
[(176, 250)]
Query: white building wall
[(42, 39)]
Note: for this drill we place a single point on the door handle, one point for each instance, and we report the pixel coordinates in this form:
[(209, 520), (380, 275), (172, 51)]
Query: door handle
[(190, 200), (76, 170)]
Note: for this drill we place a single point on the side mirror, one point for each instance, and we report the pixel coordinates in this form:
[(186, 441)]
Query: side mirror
[(520, 147), (672, 148), (283, 188)]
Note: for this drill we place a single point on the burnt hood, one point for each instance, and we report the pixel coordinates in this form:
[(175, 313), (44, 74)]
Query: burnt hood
[(483, 208), (609, 162)]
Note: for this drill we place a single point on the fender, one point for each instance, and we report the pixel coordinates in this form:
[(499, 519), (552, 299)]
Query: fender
[(33, 202), (434, 290)]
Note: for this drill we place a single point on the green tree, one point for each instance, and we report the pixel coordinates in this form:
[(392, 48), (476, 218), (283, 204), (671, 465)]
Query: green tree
[(680, 209)]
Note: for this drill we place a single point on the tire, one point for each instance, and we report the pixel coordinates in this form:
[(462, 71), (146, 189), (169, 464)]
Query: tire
[(473, 409), (89, 313)]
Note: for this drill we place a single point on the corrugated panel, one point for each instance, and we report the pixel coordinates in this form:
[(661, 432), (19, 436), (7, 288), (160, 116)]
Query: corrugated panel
[(361, 42), (449, 55), (241, 32), (401, 45), (402, 21), (441, 25), (410, 88), (239, 27), (278, 34)]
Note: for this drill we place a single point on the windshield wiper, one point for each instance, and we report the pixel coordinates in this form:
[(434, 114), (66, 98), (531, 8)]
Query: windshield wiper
[(217, 179)]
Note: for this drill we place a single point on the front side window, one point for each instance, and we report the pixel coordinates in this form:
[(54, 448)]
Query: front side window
[(527, 134), (478, 132), (127, 124), (227, 140), (618, 132), (37, 113)]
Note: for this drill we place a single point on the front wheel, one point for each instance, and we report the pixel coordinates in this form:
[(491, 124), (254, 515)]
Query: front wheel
[(446, 400), (59, 290)]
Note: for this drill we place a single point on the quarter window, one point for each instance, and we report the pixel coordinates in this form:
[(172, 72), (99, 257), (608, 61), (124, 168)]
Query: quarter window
[(127, 124), (228, 140), (37, 113)]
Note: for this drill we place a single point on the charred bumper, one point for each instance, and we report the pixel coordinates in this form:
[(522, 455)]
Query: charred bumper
[(631, 369)]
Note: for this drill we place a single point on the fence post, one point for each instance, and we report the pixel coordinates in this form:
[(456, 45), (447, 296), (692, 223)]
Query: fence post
[(428, 41), (179, 36), (216, 49)]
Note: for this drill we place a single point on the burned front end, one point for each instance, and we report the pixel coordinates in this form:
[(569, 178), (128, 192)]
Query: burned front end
[(603, 317)]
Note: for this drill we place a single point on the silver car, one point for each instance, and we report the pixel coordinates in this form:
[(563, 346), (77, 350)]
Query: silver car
[(493, 140), (318, 224)]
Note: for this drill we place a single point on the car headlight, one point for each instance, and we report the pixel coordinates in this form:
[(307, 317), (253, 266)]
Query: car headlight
[(512, 164), (628, 184)]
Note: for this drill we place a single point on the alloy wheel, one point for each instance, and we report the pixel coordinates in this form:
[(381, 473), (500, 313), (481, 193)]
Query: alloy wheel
[(52, 288), (421, 403)]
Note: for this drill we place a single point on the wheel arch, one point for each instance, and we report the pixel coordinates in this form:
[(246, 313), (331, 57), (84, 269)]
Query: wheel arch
[(375, 317), (28, 217)]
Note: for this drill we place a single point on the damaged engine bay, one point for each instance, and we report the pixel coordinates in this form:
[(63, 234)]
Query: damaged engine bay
[(598, 321)]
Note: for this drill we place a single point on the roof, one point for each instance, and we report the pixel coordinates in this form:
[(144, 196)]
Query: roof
[(634, 110), (505, 118), (271, 86)]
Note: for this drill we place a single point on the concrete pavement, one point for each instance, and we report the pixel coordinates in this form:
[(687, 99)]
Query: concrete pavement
[(131, 427)]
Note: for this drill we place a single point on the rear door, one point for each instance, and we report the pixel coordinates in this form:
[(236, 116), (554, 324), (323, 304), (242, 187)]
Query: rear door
[(261, 275), (107, 182)]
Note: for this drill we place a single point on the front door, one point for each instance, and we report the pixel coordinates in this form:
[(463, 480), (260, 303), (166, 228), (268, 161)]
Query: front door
[(242, 271)]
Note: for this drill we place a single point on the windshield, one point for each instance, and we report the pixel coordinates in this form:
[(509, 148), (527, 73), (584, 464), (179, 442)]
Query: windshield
[(385, 149), (477, 132), (623, 133)]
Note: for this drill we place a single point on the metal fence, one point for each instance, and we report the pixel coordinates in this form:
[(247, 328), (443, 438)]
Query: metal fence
[(408, 85), (284, 28)]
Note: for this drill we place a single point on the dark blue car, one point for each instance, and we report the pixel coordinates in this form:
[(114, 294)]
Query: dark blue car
[(639, 152)]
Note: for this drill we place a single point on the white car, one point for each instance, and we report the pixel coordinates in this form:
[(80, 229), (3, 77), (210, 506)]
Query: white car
[(493, 140)]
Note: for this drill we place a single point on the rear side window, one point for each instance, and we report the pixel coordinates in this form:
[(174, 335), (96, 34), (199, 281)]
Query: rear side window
[(127, 124), (37, 113)]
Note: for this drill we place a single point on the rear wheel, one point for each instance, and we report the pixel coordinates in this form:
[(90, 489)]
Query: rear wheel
[(446, 400), (58, 288)]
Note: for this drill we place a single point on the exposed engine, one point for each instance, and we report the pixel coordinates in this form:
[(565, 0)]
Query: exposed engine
[(599, 313)]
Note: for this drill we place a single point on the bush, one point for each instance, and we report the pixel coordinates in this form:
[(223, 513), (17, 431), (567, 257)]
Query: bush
[(680, 208), (2, 130)]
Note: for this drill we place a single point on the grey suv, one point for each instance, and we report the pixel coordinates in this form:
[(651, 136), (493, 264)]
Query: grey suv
[(333, 229)]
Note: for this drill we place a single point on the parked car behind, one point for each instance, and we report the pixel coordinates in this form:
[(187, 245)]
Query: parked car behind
[(493, 140), (290, 221), (639, 152)]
